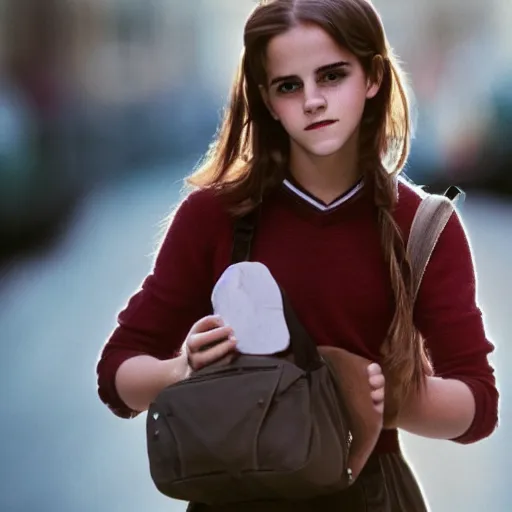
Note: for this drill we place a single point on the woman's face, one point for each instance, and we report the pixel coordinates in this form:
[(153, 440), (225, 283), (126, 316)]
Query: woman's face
[(310, 79)]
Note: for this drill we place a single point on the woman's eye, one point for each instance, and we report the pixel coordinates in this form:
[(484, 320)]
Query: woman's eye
[(287, 87), (333, 77)]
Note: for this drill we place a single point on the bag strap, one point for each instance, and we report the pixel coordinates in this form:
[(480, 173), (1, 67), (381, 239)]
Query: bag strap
[(430, 219), (242, 236)]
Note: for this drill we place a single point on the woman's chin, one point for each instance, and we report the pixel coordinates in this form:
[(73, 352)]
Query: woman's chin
[(326, 148)]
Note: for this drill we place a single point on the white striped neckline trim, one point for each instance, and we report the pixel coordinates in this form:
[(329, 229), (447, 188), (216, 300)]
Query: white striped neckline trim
[(319, 205)]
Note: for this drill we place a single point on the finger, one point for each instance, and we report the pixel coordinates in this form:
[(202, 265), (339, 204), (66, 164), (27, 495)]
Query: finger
[(201, 359), (218, 353), (379, 407), (374, 369), (207, 323), (223, 361), (377, 381), (201, 340), (227, 359), (378, 395)]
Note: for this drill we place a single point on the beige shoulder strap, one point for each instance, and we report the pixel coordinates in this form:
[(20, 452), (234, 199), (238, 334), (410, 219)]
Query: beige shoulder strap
[(429, 222)]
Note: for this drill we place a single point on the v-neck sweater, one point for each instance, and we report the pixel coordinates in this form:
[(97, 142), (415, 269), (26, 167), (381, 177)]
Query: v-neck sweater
[(330, 263)]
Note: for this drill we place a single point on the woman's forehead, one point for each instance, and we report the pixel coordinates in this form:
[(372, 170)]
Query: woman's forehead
[(303, 49)]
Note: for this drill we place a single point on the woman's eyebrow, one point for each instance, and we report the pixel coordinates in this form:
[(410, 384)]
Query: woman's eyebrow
[(328, 67)]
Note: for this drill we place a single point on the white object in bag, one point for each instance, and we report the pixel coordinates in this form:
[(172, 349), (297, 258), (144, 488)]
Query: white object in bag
[(248, 299)]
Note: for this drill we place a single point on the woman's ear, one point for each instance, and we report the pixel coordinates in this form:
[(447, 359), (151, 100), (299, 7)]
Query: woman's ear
[(373, 89), (266, 100), (376, 76)]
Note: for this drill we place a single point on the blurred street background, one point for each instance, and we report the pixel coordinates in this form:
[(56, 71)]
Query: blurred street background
[(104, 107)]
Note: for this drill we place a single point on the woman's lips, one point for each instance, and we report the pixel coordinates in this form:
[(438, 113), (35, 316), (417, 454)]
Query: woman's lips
[(320, 124)]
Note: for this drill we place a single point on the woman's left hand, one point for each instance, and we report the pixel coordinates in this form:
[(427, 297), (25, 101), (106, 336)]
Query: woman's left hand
[(377, 384)]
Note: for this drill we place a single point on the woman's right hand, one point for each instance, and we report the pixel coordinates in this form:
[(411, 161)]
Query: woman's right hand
[(209, 341)]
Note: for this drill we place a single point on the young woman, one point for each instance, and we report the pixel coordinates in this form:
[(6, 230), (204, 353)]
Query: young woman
[(315, 136)]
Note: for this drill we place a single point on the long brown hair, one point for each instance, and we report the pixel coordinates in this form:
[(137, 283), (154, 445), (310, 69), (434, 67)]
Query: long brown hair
[(250, 153)]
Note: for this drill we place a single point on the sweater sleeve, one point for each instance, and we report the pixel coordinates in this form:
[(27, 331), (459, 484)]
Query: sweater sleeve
[(451, 322), (172, 298)]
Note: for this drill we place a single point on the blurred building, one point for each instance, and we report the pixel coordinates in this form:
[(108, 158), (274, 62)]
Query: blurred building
[(459, 56)]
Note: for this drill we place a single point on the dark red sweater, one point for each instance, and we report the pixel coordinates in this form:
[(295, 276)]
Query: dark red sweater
[(331, 266)]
